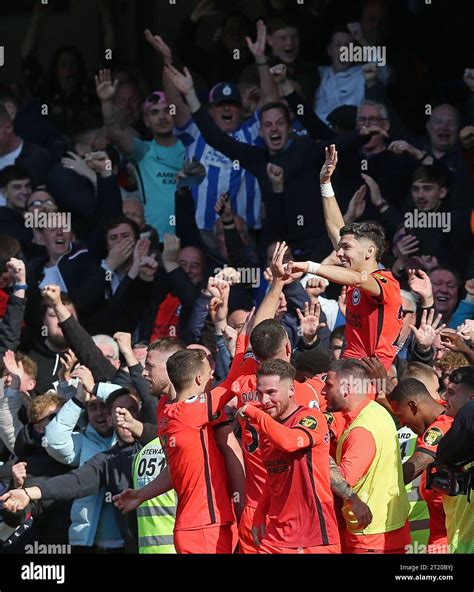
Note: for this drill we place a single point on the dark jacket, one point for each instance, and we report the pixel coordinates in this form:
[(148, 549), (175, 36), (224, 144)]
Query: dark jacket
[(112, 470), (103, 370), (36, 161), (298, 214), (48, 363), (84, 278), (50, 518), (12, 224), (10, 326)]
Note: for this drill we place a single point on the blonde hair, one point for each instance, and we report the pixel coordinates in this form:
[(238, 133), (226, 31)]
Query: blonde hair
[(39, 405)]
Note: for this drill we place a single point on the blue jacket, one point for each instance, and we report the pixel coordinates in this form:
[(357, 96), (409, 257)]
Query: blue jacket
[(75, 448), (463, 312)]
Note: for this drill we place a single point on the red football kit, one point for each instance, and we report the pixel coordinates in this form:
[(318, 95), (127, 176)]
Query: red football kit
[(245, 388), (197, 469), (373, 323), (297, 499), (428, 444)]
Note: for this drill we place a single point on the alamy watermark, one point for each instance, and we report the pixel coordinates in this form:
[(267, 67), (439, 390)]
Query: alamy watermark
[(246, 275), (38, 219), (363, 386), (417, 219), (354, 53)]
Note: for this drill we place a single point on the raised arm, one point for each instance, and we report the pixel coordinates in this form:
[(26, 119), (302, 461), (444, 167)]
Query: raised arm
[(267, 83), (213, 135), (183, 113), (119, 134), (332, 214)]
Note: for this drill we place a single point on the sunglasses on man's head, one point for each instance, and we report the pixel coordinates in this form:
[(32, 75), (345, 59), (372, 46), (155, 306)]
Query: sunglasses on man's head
[(38, 203)]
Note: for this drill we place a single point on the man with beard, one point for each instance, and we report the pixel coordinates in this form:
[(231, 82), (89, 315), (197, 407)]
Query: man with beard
[(48, 348), (157, 161), (156, 374)]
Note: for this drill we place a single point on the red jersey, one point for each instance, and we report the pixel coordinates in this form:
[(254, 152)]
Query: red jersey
[(374, 323), (245, 387), (196, 466), (428, 444), (297, 500)]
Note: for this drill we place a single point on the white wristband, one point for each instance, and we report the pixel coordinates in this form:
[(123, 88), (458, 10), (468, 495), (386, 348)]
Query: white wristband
[(327, 190), (313, 267)]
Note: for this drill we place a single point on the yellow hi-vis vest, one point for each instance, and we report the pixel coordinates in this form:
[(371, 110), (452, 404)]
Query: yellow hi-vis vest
[(419, 516), (382, 487), (155, 517), (460, 521)]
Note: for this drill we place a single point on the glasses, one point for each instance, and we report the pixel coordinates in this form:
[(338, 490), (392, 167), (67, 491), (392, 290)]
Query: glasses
[(370, 120)]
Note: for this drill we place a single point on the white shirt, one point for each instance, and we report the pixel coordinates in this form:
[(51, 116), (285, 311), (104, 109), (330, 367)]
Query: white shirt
[(9, 159), (52, 275)]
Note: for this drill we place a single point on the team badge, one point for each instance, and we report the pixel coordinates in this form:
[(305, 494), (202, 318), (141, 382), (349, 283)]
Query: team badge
[(226, 91), (356, 297), (308, 422), (432, 436)]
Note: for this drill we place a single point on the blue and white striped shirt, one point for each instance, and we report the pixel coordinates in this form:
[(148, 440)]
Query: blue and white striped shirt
[(223, 176)]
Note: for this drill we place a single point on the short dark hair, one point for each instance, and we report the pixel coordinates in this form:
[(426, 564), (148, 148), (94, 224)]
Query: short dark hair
[(13, 172), (313, 361), (432, 173), (183, 366), (166, 345), (122, 219), (120, 393), (279, 22), (277, 368), (267, 339), (338, 333), (275, 105), (452, 271), (65, 299), (369, 230), (347, 367), (409, 389), (9, 247), (463, 376)]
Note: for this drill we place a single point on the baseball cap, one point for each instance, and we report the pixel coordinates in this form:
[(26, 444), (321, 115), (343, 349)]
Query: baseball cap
[(223, 92), (156, 97)]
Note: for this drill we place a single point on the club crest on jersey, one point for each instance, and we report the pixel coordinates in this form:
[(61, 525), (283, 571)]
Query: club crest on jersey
[(356, 297), (308, 422), (432, 436)]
